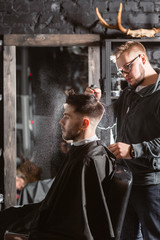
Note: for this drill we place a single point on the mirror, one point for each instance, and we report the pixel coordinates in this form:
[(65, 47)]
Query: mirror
[(42, 76), (29, 123)]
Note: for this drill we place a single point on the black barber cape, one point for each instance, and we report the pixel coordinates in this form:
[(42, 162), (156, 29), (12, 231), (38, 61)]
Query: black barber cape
[(75, 206)]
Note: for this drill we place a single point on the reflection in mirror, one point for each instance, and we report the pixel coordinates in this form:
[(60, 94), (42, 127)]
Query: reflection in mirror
[(43, 75)]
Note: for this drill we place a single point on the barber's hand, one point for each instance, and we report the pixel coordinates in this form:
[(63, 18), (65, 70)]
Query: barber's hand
[(96, 91), (120, 150)]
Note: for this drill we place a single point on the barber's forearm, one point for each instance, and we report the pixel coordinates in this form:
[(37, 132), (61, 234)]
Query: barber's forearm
[(141, 150), (147, 149)]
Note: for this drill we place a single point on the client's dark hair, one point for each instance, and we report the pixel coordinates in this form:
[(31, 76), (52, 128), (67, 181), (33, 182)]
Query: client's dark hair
[(86, 104)]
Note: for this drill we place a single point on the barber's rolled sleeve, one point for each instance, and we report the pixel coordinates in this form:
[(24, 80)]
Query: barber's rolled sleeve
[(150, 149)]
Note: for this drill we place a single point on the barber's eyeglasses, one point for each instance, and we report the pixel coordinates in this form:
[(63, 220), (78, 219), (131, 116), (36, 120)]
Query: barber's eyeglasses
[(127, 67)]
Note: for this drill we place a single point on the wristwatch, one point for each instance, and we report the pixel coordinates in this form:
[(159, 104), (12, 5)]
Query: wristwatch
[(132, 151)]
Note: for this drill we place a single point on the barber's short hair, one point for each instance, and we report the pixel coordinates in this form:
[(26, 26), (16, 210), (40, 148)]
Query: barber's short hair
[(85, 104), (127, 46)]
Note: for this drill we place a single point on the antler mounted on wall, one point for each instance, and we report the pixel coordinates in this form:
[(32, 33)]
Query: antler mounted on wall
[(138, 33)]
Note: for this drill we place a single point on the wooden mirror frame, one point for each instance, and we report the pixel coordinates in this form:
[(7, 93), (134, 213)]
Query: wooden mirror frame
[(10, 42)]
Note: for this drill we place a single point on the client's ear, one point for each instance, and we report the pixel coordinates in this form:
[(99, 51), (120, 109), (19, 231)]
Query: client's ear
[(85, 123)]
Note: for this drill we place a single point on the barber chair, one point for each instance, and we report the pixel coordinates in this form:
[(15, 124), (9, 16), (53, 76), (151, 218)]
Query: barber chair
[(32, 193), (15, 236), (117, 196)]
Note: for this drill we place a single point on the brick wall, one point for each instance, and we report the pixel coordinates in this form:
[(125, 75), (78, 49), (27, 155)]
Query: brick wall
[(74, 16)]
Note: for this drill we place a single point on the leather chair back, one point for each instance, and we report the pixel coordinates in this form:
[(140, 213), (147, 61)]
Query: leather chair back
[(117, 196)]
